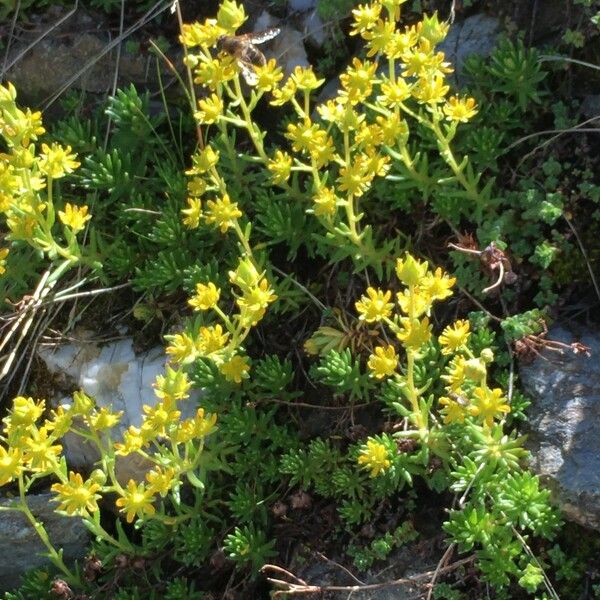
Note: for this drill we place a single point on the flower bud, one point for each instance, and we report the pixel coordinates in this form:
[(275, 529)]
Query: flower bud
[(410, 271), (98, 476), (486, 356), (230, 16), (475, 369)]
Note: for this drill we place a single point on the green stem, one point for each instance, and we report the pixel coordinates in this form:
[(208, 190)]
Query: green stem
[(350, 212), (447, 154), (54, 556)]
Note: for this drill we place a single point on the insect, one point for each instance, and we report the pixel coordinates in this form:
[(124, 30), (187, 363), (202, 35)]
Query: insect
[(243, 48)]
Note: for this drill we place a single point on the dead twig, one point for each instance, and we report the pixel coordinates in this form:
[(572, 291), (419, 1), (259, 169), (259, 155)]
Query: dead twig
[(445, 558), (492, 259), (298, 587)]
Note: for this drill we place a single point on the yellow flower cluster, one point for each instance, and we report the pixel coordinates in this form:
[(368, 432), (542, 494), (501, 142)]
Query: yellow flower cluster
[(468, 394), (374, 456), (369, 115), (410, 322), (26, 182), (30, 448), (466, 377), (221, 342)]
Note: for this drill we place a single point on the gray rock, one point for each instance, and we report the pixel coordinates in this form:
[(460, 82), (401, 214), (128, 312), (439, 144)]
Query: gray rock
[(301, 5), (475, 35), (117, 378), (21, 547), (590, 109), (288, 49), (80, 53), (564, 421), (314, 29)]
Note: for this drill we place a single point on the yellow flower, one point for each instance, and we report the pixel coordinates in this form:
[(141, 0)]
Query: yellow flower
[(211, 339), (268, 76), (410, 271), (246, 275), (235, 369), (231, 15), (212, 72), (331, 111), (196, 186), (384, 362), (454, 337), (280, 167), (197, 428), (376, 164), (77, 497), (414, 302), (453, 411), (201, 34), (21, 227), (160, 480), (438, 284), (193, 213), (423, 62), (455, 375), (157, 419), (401, 43), (414, 333), (25, 412), (132, 442), (56, 161), (326, 202), (74, 217), (39, 453), (394, 93), (393, 8), (203, 161), (358, 80), (211, 109), (182, 348), (488, 404), (368, 136), (375, 306), (222, 212), (10, 464), (82, 404), (355, 178), (104, 419), (380, 36), (61, 421), (461, 110), (431, 29), (206, 296), (302, 135), (305, 79), (365, 16), (257, 298), (203, 425), (374, 456), (3, 254), (394, 130), (136, 500), (322, 149), (173, 385), (430, 90), (285, 93)]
